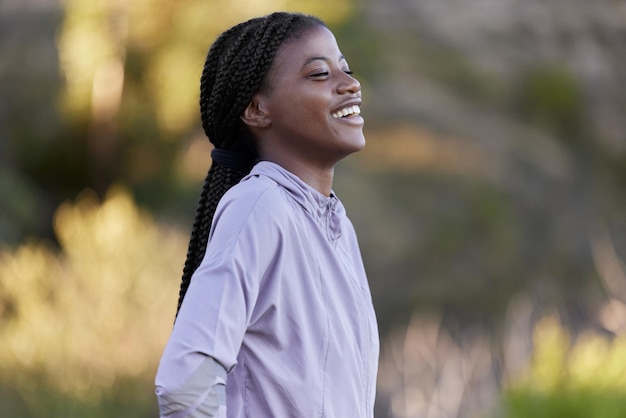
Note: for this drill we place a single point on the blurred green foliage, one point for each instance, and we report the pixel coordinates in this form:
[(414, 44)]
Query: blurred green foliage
[(551, 97), (85, 323), (585, 378), (127, 399)]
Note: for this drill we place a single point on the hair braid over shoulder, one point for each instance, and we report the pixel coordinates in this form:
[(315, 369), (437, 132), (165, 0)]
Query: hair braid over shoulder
[(235, 68)]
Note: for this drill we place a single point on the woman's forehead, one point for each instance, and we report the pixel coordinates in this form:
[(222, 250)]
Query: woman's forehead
[(315, 44)]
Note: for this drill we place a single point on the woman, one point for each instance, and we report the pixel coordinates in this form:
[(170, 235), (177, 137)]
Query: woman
[(275, 315)]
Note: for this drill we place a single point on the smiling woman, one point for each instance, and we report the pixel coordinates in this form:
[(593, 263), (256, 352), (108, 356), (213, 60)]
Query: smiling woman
[(294, 118), (275, 315)]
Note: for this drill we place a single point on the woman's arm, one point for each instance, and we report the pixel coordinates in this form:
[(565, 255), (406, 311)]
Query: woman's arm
[(218, 306), (201, 395)]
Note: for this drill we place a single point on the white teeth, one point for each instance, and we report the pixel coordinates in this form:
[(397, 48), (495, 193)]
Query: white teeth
[(350, 110)]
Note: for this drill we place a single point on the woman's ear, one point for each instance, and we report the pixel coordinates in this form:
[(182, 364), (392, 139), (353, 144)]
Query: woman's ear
[(254, 116)]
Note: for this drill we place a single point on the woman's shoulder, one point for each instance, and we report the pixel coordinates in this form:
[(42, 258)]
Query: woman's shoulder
[(252, 210), (256, 196)]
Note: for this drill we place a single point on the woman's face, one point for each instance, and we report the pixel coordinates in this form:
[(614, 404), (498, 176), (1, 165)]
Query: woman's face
[(312, 103)]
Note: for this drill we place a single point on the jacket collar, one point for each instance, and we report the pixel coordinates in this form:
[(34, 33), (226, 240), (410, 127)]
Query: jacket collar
[(326, 210)]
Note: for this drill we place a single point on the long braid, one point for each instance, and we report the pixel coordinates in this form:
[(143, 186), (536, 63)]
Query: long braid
[(218, 181), (236, 68)]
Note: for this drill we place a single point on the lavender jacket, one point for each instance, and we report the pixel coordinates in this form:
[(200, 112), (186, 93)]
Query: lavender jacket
[(281, 301)]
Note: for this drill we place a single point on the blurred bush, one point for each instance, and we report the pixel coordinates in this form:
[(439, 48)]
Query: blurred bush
[(584, 378), (81, 321), (552, 98)]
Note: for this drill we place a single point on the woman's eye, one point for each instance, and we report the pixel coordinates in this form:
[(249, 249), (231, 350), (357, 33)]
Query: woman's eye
[(321, 74)]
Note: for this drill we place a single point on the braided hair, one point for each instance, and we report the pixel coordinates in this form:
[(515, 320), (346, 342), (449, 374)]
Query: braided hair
[(235, 69)]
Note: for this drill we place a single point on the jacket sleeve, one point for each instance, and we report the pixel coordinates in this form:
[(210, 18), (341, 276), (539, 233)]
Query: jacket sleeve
[(217, 308), (201, 395), (205, 340)]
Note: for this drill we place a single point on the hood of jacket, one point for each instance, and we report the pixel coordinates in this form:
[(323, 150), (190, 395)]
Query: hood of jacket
[(328, 211)]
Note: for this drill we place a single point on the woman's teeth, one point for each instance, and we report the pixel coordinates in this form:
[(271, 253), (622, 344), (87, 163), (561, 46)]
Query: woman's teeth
[(348, 111)]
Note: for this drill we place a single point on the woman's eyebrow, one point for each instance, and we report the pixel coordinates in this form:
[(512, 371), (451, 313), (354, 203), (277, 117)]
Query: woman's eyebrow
[(320, 58)]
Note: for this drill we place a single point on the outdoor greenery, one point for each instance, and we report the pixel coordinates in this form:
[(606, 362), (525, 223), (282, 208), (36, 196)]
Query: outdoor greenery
[(84, 327), (584, 379), (488, 201)]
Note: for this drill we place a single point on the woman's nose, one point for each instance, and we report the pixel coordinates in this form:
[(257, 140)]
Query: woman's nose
[(349, 85)]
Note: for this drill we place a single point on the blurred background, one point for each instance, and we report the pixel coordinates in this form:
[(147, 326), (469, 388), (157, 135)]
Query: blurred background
[(489, 201)]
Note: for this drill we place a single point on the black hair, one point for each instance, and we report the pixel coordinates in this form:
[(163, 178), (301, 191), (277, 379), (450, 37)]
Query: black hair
[(236, 68)]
